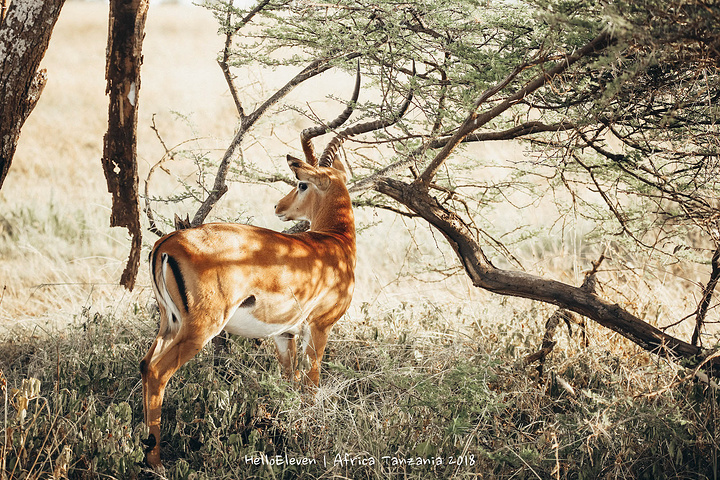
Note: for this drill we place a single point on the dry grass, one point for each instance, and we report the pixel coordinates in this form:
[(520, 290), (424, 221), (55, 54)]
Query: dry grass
[(399, 386)]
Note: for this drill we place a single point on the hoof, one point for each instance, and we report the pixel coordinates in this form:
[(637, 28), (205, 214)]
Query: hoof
[(152, 454)]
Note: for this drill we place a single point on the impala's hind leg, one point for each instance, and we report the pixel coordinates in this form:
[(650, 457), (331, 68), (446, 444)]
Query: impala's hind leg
[(163, 359)]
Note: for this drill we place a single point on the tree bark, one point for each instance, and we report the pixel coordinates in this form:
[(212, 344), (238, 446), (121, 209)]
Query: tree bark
[(124, 57), (520, 284), (25, 30)]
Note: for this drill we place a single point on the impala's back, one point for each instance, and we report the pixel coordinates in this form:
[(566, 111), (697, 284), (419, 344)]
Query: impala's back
[(257, 281)]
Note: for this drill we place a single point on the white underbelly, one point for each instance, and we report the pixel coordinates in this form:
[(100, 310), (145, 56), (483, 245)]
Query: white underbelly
[(243, 323)]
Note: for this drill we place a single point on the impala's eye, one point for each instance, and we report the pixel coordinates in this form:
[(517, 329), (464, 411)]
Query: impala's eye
[(302, 186)]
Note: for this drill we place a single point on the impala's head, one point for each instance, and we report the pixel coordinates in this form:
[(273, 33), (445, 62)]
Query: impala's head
[(319, 189), (321, 196)]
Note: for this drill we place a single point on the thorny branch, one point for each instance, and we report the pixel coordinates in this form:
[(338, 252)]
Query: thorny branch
[(247, 121)]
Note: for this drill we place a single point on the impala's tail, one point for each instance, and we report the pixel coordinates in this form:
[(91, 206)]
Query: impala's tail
[(166, 277)]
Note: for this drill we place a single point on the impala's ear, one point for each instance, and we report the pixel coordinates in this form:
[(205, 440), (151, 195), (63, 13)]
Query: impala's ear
[(307, 173), (340, 167), (299, 167), (294, 162)]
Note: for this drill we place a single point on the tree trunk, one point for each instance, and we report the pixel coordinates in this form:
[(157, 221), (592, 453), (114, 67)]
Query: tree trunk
[(124, 57), (25, 30)]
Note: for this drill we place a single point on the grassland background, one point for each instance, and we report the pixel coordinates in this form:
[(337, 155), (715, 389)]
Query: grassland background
[(61, 253), (400, 363)]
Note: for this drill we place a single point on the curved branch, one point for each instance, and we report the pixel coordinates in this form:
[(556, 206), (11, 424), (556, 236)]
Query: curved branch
[(520, 284)]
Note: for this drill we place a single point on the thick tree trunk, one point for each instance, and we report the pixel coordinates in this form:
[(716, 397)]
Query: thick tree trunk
[(124, 57), (519, 284), (25, 30)]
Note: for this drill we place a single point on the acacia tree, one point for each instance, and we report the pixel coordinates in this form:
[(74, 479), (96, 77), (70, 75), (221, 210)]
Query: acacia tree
[(619, 100)]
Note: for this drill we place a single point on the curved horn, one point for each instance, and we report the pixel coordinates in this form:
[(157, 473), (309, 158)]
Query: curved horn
[(330, 153), (308, 134)]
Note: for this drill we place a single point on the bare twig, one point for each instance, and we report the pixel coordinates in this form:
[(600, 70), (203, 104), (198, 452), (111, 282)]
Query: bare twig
[(707, 297), (333, 146), (169, 155), (308, 134)]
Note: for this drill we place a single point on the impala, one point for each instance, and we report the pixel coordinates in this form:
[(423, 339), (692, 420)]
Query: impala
[(256, 282)]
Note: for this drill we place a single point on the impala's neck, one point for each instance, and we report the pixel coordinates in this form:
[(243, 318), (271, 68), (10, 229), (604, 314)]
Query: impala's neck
[(335, 217)]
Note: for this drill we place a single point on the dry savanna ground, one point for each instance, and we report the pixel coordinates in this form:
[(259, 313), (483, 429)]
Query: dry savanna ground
[(424, 367)]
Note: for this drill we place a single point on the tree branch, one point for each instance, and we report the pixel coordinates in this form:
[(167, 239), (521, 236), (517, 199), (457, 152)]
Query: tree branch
[(220, 187), (520, 284), (475, 121), (518, 131), (229, 34)]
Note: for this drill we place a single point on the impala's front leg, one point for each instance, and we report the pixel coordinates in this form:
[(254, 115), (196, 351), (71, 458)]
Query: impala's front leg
[(314, 351), (286, 348)]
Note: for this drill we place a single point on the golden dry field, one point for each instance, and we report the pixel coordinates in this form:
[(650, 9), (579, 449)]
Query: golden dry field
[(423, 366), (63, 257)]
